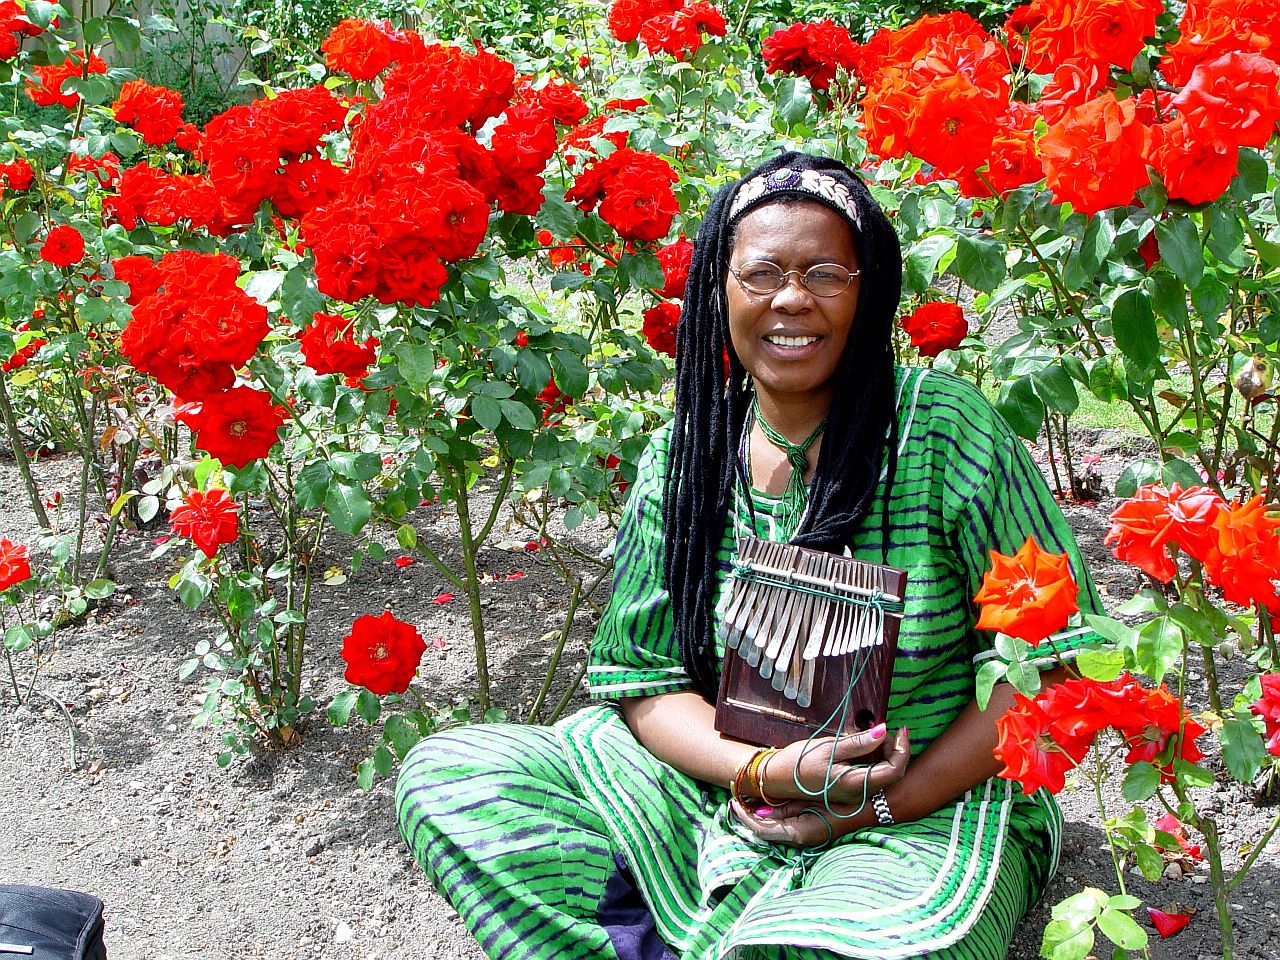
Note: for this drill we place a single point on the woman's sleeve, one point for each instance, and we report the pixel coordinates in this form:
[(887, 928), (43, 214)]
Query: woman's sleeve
[(634, 652), (1010, 502)]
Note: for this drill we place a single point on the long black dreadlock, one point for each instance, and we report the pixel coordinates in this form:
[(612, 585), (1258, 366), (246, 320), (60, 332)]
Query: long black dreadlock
[(710, 414)]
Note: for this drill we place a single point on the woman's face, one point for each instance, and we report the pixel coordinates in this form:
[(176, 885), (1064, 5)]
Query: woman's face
[(791, 341)]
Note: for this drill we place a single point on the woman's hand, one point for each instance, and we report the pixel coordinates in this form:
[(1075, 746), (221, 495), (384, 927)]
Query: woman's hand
[(812, 764), (802, 824)]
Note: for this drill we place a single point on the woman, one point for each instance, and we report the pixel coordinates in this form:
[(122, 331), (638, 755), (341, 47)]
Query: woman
[(615, 833)]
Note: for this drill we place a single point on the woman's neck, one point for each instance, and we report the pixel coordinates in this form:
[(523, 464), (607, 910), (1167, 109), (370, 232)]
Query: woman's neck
[(793, 415)]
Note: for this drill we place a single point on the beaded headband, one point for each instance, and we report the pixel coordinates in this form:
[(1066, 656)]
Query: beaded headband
[(821, 186)]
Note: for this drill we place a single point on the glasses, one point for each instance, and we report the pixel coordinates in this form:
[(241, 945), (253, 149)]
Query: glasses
[(822, 279)]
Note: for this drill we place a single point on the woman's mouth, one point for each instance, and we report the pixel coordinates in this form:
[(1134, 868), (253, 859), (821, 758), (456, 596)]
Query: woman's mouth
[(790, 344)]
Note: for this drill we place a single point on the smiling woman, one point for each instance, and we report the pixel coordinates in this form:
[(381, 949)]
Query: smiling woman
[(634, 829)]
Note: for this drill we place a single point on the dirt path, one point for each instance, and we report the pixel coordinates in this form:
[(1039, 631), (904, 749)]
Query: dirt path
[(283, 856)]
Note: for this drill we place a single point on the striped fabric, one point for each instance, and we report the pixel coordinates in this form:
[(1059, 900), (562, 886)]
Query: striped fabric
[(522, 828)]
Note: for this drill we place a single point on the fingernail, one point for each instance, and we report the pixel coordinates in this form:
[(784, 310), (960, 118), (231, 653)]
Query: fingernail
[(877, 730), (906, 731), (765, 812)]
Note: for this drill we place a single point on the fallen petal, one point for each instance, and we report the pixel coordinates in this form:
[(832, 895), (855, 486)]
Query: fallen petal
[(1167, 924)]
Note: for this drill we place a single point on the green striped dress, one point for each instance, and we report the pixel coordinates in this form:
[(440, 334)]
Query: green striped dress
[(543, 837)]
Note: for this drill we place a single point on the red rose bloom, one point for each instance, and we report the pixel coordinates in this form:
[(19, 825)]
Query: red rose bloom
[(329, 346), (1142, 526), (15, 564), (675, 258), (1244, 558), (626, 17), (360, 49), (680, 33), (1095, 156), (64, 247), (1162, 717), (155, 112), (17, 175), (1030, 753), (1030, 595), (633, 190), (1267, 706), (1233, 101), (237, 427), (660, 327), (936, 326), (382, 653), (1193, 168), (49, 89), (811, 50), (207, 519)]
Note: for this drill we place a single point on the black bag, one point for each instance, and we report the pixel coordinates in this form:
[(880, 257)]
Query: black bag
[(46, 924)]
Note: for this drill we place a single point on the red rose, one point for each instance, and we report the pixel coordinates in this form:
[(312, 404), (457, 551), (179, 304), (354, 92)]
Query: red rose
[(1193, 169), (1030, 753), (1161, 719), (1267, 706), (1030, 595), (811, 50), (1243, 557), (1075, 82), (15, 564), (680, 33), (1014, 160), (207, 519), (660, 327), (360, 49), (64, 247), (237, 427), (1232, 101), (48, 90), (1095, 156), (155, 112), (1210, 28), (675, 258), (633, 191), (936, 326), (1142, 526), (626, 17), (17, 175), (382, 653), (329, 346)]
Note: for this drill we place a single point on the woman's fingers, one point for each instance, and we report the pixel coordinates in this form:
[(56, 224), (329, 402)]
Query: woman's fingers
[(858, 744), (789, 824)]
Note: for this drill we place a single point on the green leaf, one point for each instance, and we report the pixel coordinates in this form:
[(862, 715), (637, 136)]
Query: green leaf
[(1160, 644), (1055, 387), (17, 638), (1064, 941), (406, 536), (364, 774), (980, 262), (571, 375), (1149, 861), (368, 706), (148, 507), (1101, 665), (792, 99), (922, 262), (1023, 677), (518, 415), (124, 34), (299, 297), (486, 411), (100, 589), (311, 485), (989, 674), (643, 271), (1137, 473), (559, 216), (348, 508), (1242, 749), (401, 735), (339, 710), (1191, 774), (533, 370), (1121, 929), (355, 466), (1141, 781), (417, 364), (1134, 326), (1019, 405), (1180, 248), (1180, 471)]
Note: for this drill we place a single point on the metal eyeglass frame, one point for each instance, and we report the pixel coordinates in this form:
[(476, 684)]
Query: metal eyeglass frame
[(785, 275)]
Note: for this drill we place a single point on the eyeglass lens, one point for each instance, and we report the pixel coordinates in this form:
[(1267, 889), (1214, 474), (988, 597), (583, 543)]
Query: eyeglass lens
[(822, 279)]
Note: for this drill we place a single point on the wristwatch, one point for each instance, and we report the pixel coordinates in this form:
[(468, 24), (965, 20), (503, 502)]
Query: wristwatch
[(881, 806)]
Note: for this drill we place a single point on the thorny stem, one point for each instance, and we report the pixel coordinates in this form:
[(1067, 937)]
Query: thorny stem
[(556, 654), (1097, 778), (20, 457), (568, 694), (1053, 461), (472, 586), (113, 521)]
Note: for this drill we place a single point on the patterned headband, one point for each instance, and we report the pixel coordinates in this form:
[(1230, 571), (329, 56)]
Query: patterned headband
[(823, 187)]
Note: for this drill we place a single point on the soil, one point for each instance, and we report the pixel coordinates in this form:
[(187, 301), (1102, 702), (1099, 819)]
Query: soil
[(283, 856)]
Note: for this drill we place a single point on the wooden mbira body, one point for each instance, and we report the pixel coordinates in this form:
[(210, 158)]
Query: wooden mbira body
[(803, 629)]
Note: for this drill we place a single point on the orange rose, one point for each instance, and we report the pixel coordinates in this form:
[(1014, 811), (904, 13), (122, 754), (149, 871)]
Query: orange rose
[(1029, 595)]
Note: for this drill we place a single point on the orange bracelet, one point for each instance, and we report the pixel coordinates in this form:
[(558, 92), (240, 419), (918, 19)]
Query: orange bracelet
[(760, 781), (745, 777)]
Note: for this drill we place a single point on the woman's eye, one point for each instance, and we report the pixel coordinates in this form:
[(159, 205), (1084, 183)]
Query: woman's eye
[(762, 274), (823, 276)]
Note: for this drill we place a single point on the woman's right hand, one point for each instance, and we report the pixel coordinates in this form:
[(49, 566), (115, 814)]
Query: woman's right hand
[(811, 763)]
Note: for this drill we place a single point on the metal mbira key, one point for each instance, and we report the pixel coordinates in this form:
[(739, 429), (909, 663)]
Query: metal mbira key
[(810, 639)]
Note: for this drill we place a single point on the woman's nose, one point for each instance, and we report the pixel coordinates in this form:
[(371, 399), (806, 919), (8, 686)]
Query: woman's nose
[(793, 294)]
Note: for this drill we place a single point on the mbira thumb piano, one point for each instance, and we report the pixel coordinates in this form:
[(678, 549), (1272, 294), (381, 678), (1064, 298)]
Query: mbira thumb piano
[(810, 639)]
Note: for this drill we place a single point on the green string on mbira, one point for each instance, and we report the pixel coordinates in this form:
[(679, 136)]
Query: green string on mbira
[(795, 497)]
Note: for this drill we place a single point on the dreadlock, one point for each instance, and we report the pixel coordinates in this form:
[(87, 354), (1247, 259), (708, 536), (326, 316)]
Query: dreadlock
[(710, 414)]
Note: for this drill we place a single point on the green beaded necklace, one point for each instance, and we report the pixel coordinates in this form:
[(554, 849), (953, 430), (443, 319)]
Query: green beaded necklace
[(795, 497)]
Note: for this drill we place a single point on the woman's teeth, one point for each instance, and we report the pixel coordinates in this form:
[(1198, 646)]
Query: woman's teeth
[(792, 341)]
